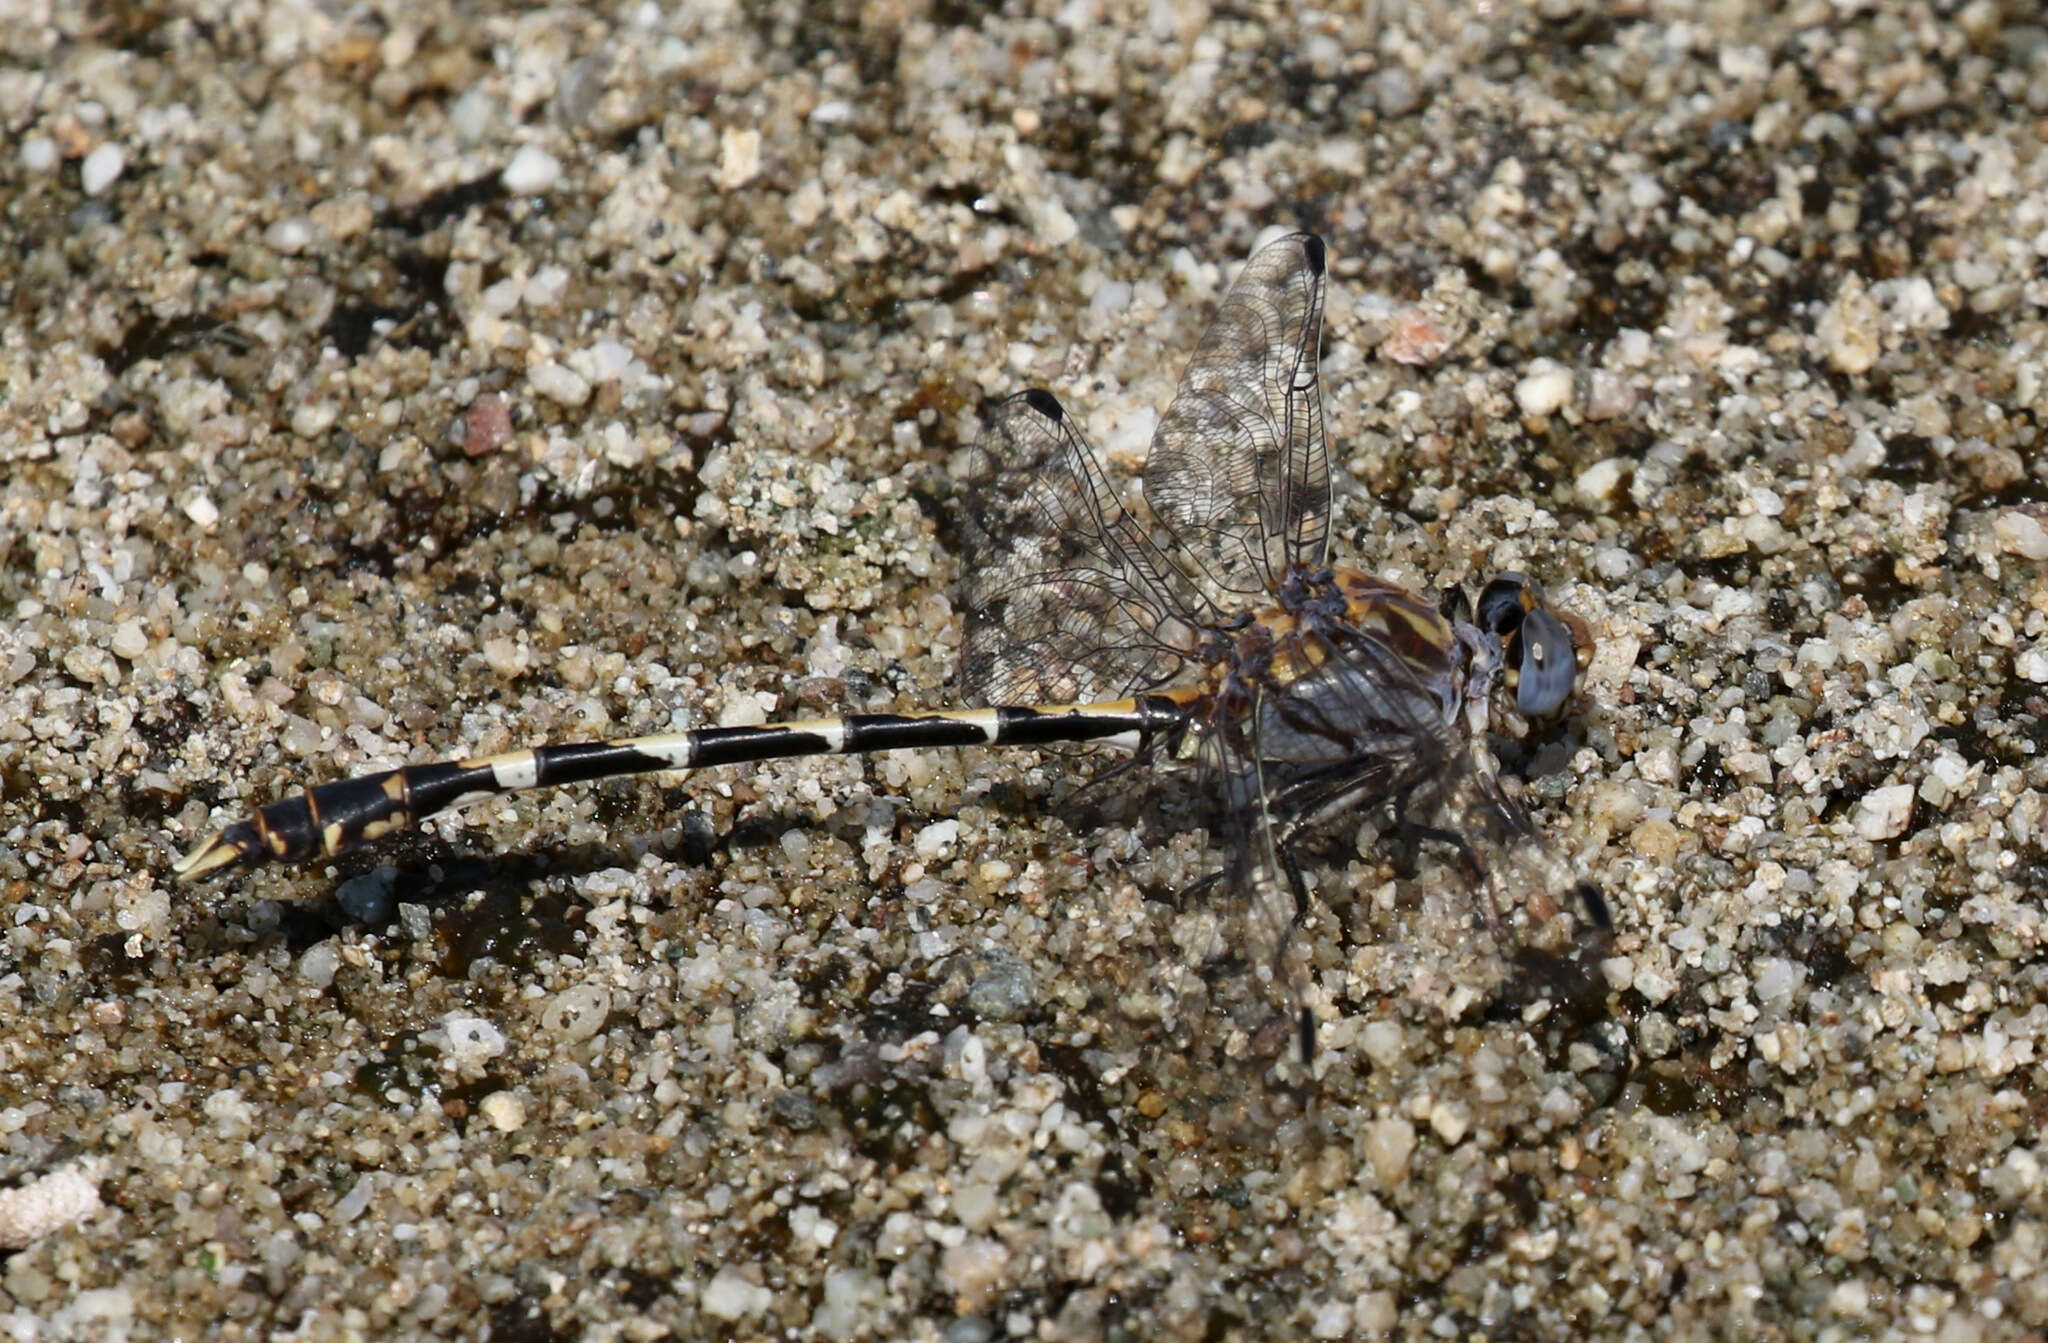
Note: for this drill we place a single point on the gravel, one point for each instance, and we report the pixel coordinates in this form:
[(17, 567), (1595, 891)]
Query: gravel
[(383, 385)]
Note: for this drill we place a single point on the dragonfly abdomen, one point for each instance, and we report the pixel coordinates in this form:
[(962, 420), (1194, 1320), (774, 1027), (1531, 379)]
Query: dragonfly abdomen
[(334, 817)]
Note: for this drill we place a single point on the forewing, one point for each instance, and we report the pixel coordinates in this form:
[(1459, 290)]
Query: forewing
[(1067, 600), (1238, 470)]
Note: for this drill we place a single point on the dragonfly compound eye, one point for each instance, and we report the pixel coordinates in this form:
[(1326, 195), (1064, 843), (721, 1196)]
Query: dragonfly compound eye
[(1545, 664), (1504, 602)]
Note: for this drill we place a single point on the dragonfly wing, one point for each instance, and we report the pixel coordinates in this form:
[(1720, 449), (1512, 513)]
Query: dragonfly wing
[(1067, 599), (1239, 471)]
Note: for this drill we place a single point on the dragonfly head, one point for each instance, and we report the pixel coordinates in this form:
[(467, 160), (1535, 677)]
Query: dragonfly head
[(1541, 649)]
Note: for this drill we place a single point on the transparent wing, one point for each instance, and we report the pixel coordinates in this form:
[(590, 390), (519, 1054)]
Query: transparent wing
[(1370, 731), (1067, 599), (1238, 470), (1442, 786)]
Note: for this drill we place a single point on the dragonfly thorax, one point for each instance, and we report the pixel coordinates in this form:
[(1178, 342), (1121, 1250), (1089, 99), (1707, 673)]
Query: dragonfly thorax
[(1342, 666)]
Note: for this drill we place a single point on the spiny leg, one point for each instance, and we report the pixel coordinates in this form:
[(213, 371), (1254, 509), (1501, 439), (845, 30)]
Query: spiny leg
[(329, 819), (1305, 1017)]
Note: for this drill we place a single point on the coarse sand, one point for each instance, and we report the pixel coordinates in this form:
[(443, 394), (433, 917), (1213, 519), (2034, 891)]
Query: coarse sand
[(386, 382)]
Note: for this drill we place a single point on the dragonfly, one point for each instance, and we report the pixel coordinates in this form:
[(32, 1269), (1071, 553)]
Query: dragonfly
[(1203, 629)]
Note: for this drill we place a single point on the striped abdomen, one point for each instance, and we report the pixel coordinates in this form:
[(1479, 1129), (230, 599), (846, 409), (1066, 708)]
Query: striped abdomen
[(334, 817)]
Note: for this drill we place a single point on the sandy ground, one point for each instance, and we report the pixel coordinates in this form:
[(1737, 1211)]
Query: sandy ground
[(384, 382)]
